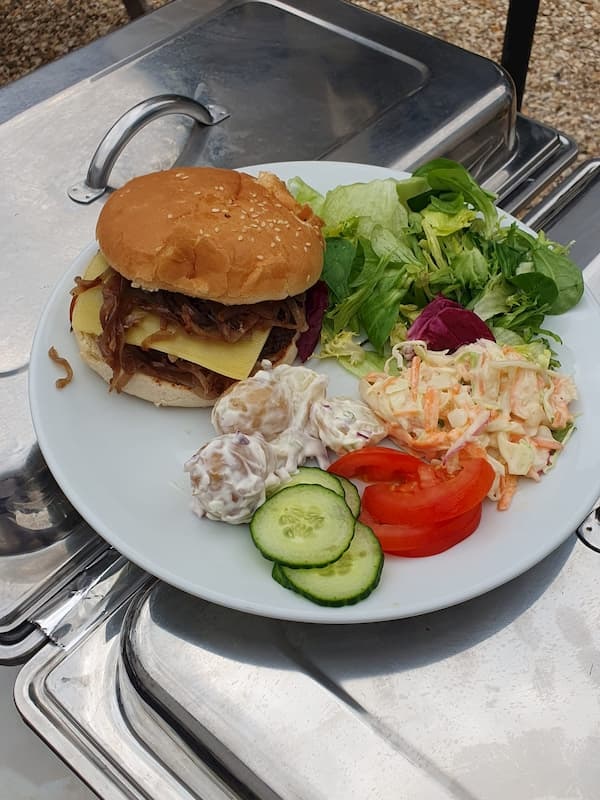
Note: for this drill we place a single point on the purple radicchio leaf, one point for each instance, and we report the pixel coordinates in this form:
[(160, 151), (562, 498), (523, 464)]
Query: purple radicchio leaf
[(446, 325), (317, 300)]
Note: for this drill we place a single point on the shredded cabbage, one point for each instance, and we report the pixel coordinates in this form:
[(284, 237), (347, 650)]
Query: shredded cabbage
[(499, 401)]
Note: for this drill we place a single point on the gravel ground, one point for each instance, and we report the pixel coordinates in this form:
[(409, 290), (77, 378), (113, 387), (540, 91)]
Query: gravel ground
[(562, 86)]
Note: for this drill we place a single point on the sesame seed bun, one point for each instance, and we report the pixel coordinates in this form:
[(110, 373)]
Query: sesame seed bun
[(212, 233)]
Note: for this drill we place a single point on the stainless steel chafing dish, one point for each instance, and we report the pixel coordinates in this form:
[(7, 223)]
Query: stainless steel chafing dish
[(147, 692)]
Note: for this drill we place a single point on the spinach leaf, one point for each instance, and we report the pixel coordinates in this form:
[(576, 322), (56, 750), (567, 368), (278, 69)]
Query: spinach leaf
[(550, 259), (540, 290), (337, 265)]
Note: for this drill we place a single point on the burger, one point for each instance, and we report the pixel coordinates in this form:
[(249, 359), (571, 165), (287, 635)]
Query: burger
[(201, 274)]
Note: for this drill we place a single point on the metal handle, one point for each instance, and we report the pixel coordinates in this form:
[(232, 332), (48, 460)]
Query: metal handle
[(125, 128)]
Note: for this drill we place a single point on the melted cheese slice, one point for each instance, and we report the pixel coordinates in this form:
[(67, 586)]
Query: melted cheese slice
[(236, 360)]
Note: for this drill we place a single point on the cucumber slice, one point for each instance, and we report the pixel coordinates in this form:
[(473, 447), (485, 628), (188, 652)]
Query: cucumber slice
[(313, 475), (347, 581), (351, 494), (304, 525)]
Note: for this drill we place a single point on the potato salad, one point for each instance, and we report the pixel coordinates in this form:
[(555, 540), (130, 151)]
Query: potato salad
[(267, 426)]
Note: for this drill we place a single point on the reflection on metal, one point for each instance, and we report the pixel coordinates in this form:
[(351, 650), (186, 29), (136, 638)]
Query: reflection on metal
[(570, 214), (20, 643), (102, 587), (34, 513), (200, 701), (541, 155)]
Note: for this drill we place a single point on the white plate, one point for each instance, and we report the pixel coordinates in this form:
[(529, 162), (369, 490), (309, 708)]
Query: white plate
[(119, 461)]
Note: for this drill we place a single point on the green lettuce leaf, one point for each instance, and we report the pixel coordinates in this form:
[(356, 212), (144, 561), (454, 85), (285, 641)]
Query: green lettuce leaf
[(444, 175), (373, 203), (344, 347), (394, 245), (306, 194)]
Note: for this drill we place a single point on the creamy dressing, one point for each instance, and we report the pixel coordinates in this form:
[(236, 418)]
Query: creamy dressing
[(260, 404), (268, 425), (229, 476), (503, 400), (344, 424)]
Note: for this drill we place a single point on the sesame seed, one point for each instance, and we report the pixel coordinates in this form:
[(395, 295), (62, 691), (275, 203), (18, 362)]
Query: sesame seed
[(215, 210), (169, 216), (197, 192), (278, 238), (240, 238), (217, 229), (259, 258), (308, 244), (272, 244)]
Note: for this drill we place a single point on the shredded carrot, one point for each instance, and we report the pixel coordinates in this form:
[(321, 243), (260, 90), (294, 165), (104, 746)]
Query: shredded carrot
[(508, 487), (546, 444), (415, 371), (406, 412), (431, 408)]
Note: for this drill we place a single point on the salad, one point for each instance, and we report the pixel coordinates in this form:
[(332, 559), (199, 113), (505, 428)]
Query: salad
[(393, 246), (486, 399)]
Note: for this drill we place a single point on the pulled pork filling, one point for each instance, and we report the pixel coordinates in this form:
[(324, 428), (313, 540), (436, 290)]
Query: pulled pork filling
[(123, 305)]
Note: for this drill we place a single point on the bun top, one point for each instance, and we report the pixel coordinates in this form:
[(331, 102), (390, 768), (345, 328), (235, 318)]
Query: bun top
[(212, 233)]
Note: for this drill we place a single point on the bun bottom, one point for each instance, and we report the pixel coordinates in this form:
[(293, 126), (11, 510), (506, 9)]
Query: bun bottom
[(146, 387)]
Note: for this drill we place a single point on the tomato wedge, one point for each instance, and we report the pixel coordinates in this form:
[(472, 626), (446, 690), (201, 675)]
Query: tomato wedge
[(433, 495), (376, 464), (420, 541)]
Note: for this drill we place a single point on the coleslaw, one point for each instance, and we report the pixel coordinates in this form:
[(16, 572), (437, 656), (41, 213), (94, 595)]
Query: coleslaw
[(501, 401)]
